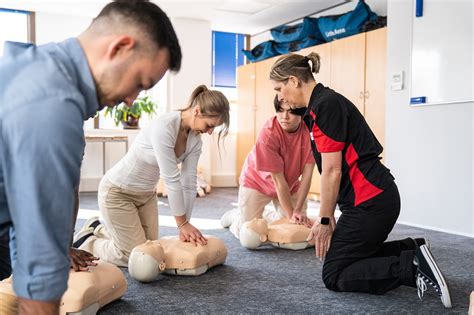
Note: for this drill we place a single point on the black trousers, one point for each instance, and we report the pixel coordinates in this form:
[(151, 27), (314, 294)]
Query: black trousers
[(5, 264), (358, 260)]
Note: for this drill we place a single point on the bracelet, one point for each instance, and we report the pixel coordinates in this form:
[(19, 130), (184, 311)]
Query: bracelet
[(182, 224)]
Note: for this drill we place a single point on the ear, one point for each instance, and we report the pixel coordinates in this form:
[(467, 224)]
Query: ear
[(197, 110), (294, 81), (120, 45)]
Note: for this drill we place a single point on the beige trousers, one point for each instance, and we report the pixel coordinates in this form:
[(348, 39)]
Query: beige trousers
[(252, 204), (130, 219)]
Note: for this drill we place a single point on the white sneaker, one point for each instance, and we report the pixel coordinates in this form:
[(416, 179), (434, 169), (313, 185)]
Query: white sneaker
[(100, 231), (228, 218), (92, 222), (81, 236)]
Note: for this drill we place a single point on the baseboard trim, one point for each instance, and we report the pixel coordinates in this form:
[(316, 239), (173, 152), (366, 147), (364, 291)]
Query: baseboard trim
[(223, 181), (436, 229), (90, 184)]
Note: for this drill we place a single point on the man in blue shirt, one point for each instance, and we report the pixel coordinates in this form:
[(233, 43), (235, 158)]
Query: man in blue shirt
[(46, 94)]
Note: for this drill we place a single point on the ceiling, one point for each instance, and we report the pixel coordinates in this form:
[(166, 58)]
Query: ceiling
[(239, 16)]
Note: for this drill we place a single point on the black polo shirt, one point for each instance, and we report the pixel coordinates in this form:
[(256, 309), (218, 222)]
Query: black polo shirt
[(336, 124)]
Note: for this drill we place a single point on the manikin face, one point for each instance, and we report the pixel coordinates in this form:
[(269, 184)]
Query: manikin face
[(202, 124), (125, 75), (290, 92), (288, 121)]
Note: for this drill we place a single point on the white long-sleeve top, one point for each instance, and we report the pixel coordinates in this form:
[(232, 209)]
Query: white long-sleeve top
[(152, 156)]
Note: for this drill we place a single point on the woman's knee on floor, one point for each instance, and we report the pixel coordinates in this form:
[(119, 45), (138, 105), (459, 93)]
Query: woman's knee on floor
[(330, 276)]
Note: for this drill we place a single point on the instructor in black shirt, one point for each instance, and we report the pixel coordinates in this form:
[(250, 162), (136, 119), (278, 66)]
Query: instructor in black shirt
[(347, 153)]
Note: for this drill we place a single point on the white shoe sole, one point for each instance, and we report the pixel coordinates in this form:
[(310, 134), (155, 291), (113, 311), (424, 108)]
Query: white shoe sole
[(443, 285)]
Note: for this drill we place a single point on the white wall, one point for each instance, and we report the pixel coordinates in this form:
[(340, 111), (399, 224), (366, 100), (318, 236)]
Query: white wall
[(195, 38), (57, 27), (429, 149), (223, 165), (377, 6)]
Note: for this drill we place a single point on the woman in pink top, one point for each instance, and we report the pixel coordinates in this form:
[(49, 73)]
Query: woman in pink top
[(272, 170)]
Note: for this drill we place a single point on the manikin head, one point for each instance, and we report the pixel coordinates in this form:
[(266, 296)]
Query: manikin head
[(253, 233), (291, 75), (129, 47), (146, 261)]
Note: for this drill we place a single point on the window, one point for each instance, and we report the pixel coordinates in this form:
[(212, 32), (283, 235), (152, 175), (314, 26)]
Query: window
[(14, 26), (226, 57)]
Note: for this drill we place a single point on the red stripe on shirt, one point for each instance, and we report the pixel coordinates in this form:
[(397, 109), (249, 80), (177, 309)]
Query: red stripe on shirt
[(363, 189), (324, 143)]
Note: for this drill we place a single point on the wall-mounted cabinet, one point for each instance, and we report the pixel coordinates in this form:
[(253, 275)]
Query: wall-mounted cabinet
[(353, 66)]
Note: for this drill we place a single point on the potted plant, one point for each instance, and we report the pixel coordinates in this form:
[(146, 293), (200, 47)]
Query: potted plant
[(129, 116)]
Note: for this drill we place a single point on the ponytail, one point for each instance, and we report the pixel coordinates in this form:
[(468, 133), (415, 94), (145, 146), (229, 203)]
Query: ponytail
[(194, 95), (315, 62), (297, 66)]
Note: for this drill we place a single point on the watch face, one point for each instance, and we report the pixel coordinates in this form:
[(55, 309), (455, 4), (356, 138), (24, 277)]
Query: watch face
[(324, 221)]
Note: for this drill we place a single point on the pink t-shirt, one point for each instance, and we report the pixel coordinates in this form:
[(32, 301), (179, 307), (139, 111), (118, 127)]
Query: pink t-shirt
[(277, 151)]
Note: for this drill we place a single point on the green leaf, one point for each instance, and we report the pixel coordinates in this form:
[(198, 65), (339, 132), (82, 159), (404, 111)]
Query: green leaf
[(141, 105)]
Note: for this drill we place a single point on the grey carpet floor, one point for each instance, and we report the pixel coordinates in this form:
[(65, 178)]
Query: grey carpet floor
[(279, 281)]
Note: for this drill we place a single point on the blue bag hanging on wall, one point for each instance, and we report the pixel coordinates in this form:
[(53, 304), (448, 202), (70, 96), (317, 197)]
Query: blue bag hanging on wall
[(297, 32), (343, 25), (260, 52)]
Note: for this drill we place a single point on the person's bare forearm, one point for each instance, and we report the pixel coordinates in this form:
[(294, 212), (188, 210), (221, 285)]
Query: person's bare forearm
[(283, 193), (26, 307), (330, 181), (305, 184)]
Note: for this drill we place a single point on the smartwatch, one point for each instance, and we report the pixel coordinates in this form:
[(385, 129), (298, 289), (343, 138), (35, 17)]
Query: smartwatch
[(324, 220)]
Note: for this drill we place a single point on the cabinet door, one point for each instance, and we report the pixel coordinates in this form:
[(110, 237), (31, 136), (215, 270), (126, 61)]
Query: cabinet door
[(264, 93), (375, 83), (348, 68), (324, 77), (245, 114), (324, 51)]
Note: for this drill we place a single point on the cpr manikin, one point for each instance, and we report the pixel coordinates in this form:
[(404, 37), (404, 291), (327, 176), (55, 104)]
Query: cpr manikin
[(281, 233), (87, 291), (173, 256)]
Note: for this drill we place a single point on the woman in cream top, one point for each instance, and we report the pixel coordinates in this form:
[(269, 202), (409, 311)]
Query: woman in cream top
[(127, 195)]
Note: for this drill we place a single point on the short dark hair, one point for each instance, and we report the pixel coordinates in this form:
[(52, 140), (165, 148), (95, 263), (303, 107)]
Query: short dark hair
[(152, 21), (277, 104), (294, 111)]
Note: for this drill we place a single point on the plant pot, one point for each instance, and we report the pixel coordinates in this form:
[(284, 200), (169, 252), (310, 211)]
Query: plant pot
[(131, 122)]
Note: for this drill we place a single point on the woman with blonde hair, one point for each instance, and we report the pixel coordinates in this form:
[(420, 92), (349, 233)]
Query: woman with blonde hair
[(347, 153), (127, 196)]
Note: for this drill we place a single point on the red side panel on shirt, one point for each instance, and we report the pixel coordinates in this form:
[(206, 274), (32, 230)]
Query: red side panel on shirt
[(363, 189), (324, 143)]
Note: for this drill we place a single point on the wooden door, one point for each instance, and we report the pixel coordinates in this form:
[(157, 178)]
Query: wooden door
[(324, 77), (245, 114), (375, 82), (348, 68)]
